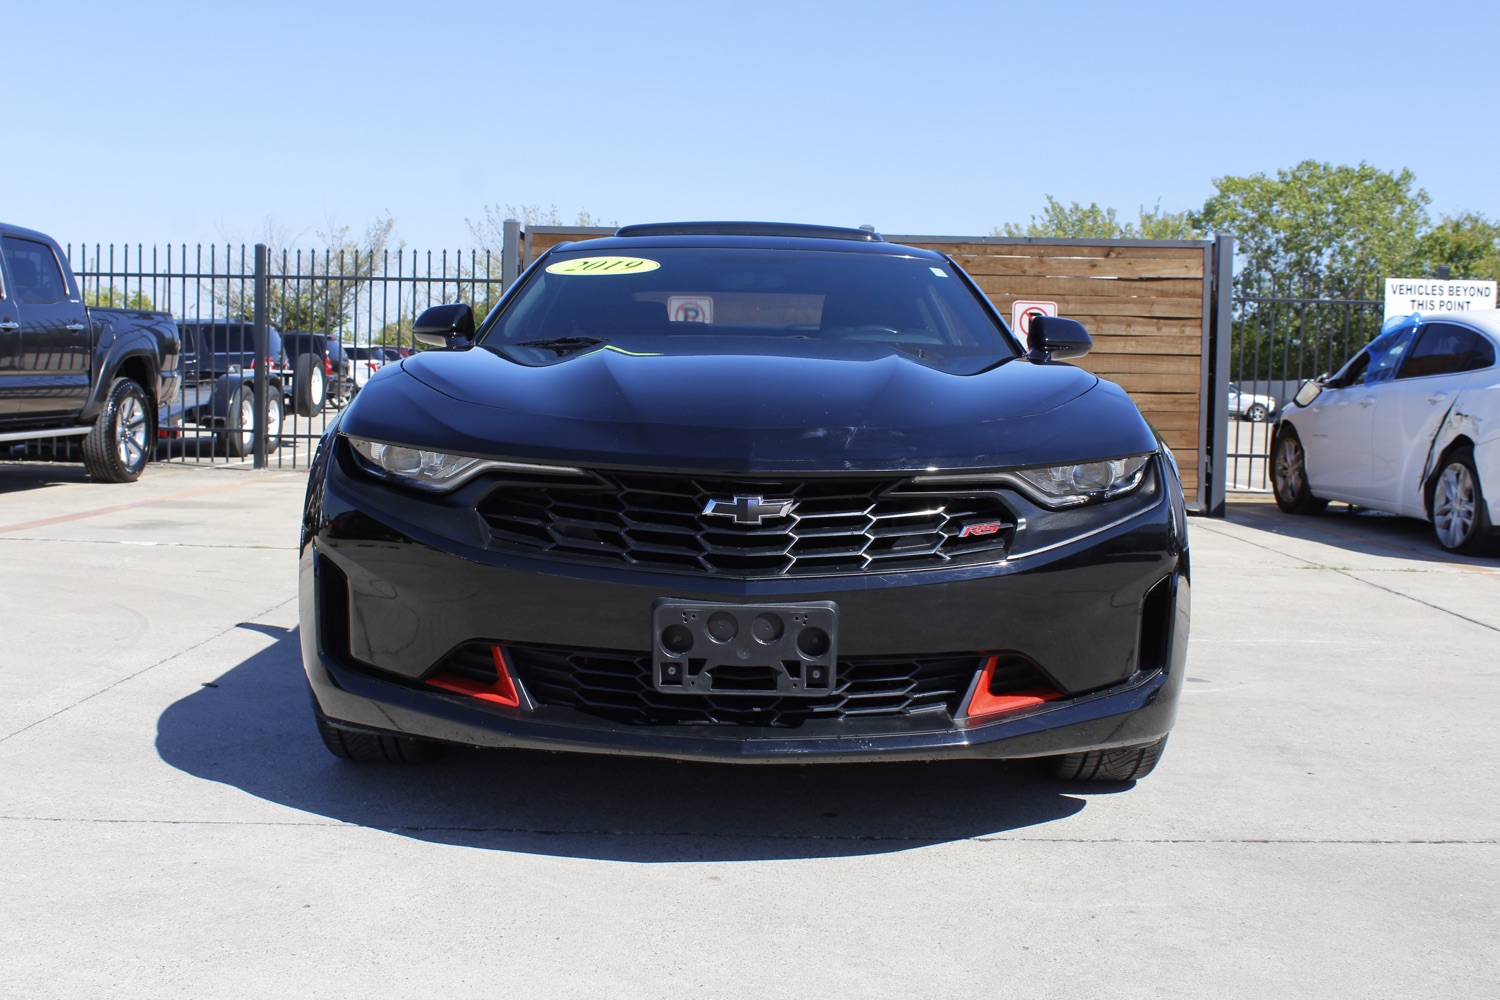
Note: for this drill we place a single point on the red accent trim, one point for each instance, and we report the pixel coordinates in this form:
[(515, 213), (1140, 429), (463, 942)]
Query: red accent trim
[(502, 692), (984, 703)]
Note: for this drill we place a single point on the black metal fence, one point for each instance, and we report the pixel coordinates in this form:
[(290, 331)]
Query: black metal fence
[(364, 302), (1286, 330)]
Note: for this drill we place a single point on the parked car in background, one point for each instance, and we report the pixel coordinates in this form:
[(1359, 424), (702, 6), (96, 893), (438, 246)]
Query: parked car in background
[(219, 362), (333, 378), (68, 370), (1249, 406), (1411, 425), (365, 361), (746, 492)]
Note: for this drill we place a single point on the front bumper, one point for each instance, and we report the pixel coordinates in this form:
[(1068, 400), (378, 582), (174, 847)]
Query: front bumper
[(1137, 711), (388, 592)]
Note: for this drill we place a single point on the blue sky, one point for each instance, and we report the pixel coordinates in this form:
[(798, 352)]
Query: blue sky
[(194, 122)]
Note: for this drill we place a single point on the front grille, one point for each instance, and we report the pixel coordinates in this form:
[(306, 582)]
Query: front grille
[(616, 686), (836, 526)]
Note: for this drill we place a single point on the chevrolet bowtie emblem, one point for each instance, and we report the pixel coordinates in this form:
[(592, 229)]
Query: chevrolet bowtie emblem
[(749, 510)]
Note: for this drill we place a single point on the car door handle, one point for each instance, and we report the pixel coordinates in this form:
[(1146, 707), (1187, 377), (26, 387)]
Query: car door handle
[(7, 325), (1367, 401), (77, 326), (1437, 397)]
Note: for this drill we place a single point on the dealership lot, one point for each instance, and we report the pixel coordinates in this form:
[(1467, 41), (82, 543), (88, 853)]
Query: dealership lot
[(1326, 820)]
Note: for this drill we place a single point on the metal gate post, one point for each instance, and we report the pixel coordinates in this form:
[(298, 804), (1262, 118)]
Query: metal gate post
[(262, 404), (1216, 360), (510, 252)]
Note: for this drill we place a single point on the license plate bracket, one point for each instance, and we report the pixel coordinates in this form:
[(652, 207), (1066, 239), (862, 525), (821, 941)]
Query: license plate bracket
[(784, 650)]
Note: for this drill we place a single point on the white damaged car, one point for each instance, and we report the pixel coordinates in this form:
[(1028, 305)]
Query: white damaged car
[(1411, 425)]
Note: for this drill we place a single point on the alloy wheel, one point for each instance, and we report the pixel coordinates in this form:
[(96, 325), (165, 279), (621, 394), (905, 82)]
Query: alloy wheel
[(1454, 505), (130, 431), (1289, 470)]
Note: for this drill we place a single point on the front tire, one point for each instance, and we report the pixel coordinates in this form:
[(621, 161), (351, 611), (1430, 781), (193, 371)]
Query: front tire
[(1289, 475), (1257, 413), (1460, 518), (372, 748), (1118, 764), (118, 448)]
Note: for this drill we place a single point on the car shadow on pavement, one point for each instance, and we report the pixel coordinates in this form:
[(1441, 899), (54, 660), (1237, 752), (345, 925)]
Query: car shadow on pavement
[(251, 728), (18, 477), (1368, 532)]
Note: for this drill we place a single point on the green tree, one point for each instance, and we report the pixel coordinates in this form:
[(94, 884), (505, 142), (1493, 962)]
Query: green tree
[(315, 290), (1468, 244), (1331, 229), (1091, 222), (111, 297), (318, 291), (1313, 233), (1158, 225), (1072, 221)]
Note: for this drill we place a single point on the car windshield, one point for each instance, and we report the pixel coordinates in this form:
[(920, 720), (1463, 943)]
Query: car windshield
[(654, 296), (1377, 362)]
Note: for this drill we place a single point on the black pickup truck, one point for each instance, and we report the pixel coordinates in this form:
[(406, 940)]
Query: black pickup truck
[(68, 370)]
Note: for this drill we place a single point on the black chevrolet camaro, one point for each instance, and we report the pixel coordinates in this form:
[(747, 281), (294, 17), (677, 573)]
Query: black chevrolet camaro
[(746, 492)]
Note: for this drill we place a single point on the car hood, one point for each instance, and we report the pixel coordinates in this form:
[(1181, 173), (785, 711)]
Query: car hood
[(831, 407)]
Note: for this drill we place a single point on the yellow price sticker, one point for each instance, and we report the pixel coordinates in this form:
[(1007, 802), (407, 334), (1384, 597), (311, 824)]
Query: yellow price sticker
[(603, 265)]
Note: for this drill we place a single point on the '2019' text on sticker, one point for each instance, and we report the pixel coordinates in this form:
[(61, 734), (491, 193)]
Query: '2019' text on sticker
[(603, 265)]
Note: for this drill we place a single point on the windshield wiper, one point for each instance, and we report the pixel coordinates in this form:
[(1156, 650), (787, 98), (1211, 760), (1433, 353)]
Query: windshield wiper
[(562, 345)]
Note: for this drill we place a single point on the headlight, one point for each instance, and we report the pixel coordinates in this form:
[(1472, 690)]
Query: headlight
[(437, 470), (1070, 485)]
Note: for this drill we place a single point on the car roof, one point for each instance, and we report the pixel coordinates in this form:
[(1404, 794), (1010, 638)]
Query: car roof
[(12, 230), (797, 229), (1487, 320), (745, 236)]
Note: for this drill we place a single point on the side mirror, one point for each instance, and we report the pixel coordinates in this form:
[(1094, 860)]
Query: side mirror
[(1310, 390), (446, 326), (1053, 338)]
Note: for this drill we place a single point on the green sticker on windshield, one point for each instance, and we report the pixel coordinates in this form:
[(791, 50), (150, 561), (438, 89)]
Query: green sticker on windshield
[(603, 265)]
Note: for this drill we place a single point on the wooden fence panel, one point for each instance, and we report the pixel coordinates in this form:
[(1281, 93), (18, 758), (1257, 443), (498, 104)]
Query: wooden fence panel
[(540, 239), (1143, 305)]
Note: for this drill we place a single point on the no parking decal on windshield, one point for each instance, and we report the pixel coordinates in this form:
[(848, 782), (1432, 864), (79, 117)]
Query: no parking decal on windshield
[(603, 265)]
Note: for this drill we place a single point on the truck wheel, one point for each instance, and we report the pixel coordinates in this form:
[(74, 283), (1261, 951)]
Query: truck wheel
[(238, 437), (309, 387), (116, 450)]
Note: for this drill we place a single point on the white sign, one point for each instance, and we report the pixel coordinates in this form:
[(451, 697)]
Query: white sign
[(1022, 310), (1404, 296), (690, 309)]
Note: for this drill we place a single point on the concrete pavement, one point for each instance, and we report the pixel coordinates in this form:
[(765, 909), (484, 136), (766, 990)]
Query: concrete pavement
[(1325, 822)]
